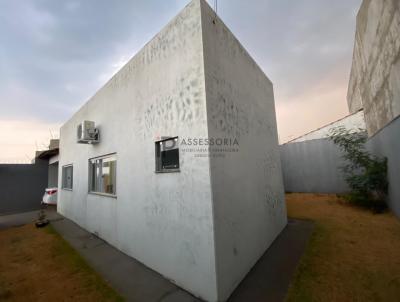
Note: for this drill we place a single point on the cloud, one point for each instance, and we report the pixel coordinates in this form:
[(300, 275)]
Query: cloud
[(20, 139), (315, 107), (47, 48), (305, 48), (55, 55)]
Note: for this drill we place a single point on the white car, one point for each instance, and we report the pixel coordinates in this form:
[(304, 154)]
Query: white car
[(50, 196)]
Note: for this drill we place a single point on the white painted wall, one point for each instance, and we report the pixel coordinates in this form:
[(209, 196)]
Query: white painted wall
[(247, 186), (206, 226), (353, 121), (163, 220)]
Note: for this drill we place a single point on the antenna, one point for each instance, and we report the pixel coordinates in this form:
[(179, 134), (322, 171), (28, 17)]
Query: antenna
[(215, 10)]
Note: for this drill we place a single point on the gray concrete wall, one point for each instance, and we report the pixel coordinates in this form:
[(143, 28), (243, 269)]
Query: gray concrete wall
[(22, 186), (312, 166), (386, 143), (375, 74), (247, 187)]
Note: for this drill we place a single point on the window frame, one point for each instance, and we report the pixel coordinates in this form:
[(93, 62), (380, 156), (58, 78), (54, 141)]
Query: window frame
[(90, 175), (63, 168), (158, 162)]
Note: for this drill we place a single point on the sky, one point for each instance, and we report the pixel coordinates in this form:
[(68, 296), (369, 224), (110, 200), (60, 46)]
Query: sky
[(54, 55)]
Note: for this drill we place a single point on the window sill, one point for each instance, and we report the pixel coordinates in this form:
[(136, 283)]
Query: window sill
[(66, 189), (103, 194), (168, 171)]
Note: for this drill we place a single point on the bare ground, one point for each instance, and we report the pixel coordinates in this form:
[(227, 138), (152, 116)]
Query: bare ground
[(353, 255), (38, 265)]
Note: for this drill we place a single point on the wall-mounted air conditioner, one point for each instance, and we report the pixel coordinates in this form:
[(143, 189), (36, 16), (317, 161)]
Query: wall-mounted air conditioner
[(87, 133)]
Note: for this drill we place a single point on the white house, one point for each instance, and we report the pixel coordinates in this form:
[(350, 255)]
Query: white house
[(184, 173)]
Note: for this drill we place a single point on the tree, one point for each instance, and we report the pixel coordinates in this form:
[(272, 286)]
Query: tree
[(366, 174)]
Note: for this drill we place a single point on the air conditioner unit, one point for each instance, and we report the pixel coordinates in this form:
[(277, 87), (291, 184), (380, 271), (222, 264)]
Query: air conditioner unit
[(87, 133)]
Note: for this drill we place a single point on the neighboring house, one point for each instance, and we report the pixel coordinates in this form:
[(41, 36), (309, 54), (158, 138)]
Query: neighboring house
[(25, 184), (51, 156), (147, 181)]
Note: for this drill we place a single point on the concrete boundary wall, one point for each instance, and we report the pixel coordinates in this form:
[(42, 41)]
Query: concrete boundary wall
[(22, 186), (312, 166)]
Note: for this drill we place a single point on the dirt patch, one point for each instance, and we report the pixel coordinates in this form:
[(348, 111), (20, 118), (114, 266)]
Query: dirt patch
[(353, 255), (38, 265)]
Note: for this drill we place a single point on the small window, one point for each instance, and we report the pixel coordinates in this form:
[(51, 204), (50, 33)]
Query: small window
[(67, 177), (102, 174), (167, 155)]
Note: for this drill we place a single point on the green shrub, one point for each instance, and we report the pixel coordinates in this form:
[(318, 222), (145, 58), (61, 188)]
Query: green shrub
[(366, 174)]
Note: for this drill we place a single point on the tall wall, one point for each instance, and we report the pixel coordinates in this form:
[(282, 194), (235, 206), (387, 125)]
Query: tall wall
[(22, 186), (375, 74), (164, 220), (313, 166), (247, 188)]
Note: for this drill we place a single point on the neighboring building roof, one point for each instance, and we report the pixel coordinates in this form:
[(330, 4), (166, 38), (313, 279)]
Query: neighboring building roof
[(353, 121), (54, 144), (53, 150), (47, 154)]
